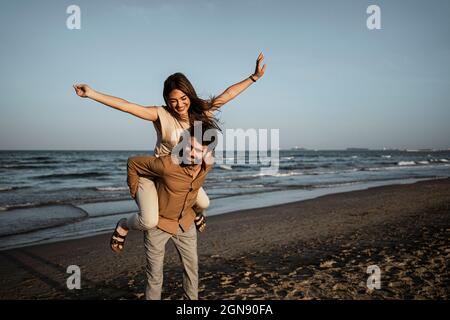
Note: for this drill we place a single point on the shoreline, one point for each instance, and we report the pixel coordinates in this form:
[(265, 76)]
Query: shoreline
[(106, 214), (312, 249)]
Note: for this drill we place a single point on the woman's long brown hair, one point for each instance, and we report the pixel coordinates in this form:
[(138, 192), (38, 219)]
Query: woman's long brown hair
[(198, 108)]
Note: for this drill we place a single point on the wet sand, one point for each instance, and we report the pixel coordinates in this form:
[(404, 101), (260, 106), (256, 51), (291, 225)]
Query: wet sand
[(312, 249)]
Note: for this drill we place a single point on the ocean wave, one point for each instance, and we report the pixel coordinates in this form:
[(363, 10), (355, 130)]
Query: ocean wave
[(259, 175), (111, 188), (39, 158), (321, 172), (26, 220), (406, 163), (328, 168), (335, 171), (423, 162), (219, 158), (249, 186), (17, 206), (279, 174), (30, 161), (386, 156), (397, 167), (301, 166), (5, 189), (25, 166), (47, 161), (91, 174), (392, 162), (12, 162), (84, 160), (225, 167), (337, 184), (240, 178)]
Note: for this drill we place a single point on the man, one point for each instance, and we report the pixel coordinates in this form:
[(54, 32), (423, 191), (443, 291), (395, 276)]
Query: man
[(177, 183)]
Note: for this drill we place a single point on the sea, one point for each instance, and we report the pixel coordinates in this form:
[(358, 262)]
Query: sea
[(48, 196)]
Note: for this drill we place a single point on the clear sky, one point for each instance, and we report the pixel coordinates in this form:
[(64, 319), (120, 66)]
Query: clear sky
[(330, 82)]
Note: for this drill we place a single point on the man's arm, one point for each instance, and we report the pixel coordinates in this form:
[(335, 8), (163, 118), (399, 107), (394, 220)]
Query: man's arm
[(137, 166)]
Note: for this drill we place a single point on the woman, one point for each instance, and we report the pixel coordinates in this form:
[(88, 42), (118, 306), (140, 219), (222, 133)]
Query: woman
[(183, 107)]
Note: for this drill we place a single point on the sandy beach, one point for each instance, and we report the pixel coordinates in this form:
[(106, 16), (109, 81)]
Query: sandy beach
[(312, 249)]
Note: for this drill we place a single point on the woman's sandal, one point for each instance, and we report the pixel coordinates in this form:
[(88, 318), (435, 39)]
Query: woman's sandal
[(117, 240), (200, 222)]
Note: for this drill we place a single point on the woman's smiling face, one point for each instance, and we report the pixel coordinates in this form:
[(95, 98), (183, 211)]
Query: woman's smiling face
[(179, 102)]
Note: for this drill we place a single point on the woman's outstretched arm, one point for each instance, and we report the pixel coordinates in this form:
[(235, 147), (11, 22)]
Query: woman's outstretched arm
[(147, 113), (234, 90)]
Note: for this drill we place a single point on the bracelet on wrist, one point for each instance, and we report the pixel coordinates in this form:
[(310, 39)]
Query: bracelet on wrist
[(251, 78)]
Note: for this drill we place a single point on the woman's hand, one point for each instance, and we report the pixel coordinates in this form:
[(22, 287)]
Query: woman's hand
[(259, 70), (232, 91), (83, 90)]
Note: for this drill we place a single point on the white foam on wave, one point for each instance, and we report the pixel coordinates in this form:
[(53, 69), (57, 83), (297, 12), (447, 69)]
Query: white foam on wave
[(406, 163), (278, 174), (334, 171), (111, 188), (386, 156), (20, 205), (252, 186), (225, 167)]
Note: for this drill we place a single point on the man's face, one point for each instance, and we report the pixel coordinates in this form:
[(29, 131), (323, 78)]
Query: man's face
[(195, 151)]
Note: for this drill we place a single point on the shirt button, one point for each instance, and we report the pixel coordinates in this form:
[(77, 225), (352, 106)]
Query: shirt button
[(190, 189)]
